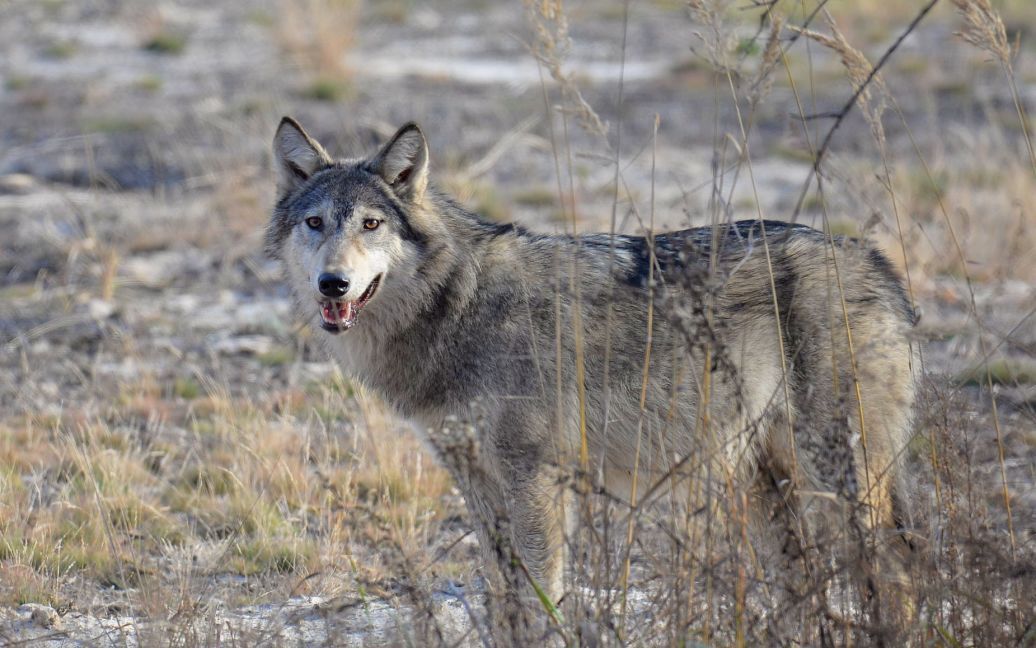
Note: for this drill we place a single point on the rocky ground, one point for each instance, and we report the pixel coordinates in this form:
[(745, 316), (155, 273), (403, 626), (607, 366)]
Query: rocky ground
[(140, 324)]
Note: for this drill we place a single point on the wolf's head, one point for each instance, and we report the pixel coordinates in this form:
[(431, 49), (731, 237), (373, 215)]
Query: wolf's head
[(349, 232)]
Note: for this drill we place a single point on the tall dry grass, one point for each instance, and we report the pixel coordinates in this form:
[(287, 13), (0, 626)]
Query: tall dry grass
[(318, 35), (644, 574)]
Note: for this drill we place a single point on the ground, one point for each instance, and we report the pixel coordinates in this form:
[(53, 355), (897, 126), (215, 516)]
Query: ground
[(179, 458)]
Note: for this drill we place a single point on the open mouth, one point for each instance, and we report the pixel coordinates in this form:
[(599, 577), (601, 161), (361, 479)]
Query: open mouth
[(338, 316)]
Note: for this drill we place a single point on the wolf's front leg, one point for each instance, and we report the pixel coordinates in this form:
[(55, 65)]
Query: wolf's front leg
[(516, 529), (514, 496), (518, 455), (537, 528), (514, 512)]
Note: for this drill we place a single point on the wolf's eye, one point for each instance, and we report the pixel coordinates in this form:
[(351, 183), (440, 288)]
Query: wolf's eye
[(371, 223), (314, 222)]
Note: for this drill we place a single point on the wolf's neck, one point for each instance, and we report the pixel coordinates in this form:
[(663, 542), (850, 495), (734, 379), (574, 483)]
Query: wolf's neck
[(400, 352), (472, 227)]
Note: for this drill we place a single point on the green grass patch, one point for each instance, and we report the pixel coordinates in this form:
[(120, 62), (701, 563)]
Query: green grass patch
[(211, 480), (813, 202), (793, 153), (693, 68), (487, 202), (912, 65), (24, 585), (277, 356), (273, 554), (150, 83), (843, 228), (745, 203), (115, 124), (166, 42), (260, 18), (919, 446), (18, 291), (60, 50), (335, 385), (390, 11), (537, 197), (748, 47), (11, 485), (328, 415), (1002, 371), (328, 89), (954, 88), (240, 515), (186, 388), (131, 515)]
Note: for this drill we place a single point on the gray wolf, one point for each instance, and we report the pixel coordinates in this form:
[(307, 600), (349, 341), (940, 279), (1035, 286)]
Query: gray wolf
[(745, 351)]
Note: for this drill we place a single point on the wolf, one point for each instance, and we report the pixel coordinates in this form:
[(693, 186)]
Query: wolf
[(741, 352)]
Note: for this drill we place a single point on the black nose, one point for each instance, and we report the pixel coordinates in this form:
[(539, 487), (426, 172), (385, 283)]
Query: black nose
[(331, 285)]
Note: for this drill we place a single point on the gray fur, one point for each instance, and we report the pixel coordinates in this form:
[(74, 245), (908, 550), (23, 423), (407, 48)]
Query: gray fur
[(471, 312)]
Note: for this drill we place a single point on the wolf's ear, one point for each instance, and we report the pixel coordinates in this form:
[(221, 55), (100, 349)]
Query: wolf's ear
[(403, 163), (296, 155)]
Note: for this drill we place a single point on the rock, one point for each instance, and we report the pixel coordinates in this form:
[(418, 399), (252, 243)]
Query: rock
[(17, 183), (237, 313), (99, 309), (184, 303), (426, 18), (242, 344), (160, 269), (42, 615)]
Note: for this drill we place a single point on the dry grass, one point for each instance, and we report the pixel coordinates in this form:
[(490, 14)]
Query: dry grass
[(318, 35), (965, 578), (157, 34), (278, 491), (984, 29)]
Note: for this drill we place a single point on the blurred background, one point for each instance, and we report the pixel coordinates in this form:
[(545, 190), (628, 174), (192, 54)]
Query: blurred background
[(173, 445)]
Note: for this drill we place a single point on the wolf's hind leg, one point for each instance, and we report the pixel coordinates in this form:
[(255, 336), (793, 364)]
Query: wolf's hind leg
[(847, 477)]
